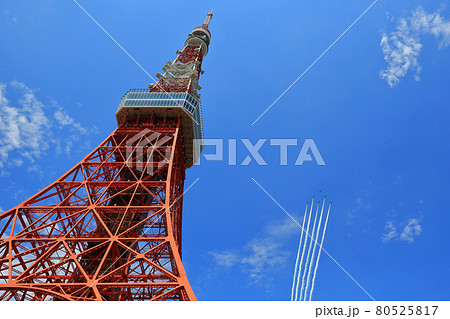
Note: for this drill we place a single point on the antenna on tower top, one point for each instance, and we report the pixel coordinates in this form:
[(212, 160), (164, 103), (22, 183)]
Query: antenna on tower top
[(207, 19), (201, 36)]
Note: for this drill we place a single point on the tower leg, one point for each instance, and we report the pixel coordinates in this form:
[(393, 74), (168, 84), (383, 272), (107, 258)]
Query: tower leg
[(108, 229)]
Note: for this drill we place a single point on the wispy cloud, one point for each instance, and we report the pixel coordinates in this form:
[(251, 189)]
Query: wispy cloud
[(412, 229), (359, 209), (284, 228), (402, 47), (262, 255), (10, 18), (408, 231), (225, 258), (28, 128), (390, 231), (22, 127)]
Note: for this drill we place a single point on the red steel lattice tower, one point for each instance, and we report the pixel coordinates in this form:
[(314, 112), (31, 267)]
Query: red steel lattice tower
[(110, 228)]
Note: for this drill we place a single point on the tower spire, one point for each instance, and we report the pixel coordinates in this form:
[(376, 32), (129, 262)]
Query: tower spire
[(207, 19), (201, 35)]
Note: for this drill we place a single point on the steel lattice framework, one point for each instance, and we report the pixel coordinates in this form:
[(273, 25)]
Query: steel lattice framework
[(110, 228)]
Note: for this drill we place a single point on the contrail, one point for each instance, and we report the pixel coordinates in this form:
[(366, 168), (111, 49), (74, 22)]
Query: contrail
[(308, 255), (318, 255), (323, 249), (298, 253), (312, 64), (304, 248), (308, 277)]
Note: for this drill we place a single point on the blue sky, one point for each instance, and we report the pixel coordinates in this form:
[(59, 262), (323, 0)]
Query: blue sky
[(380, 124)]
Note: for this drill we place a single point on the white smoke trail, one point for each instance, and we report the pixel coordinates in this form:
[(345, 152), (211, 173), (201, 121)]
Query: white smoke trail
[(308, 255), (298, 253), (303, 251), (320, 250), (316, 244)]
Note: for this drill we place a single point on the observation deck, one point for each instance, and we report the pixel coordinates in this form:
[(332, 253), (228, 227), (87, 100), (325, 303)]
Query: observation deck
[(144, 103)]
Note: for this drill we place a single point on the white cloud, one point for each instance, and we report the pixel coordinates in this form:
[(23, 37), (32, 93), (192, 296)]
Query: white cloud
[(431, 23), (9, 17), (412, 229), (285, 228), (401, 52), (62, 118), (28, 128), (402, 47), (391, 231), (265, 255), (225, 259), (22, 127), (17, 161), (262, 255), (409, 230), (361, 206)]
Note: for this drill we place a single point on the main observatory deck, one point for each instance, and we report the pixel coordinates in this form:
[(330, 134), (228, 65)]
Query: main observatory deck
[(143, 103)]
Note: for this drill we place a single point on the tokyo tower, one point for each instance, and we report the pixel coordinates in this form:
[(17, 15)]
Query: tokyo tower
[(110, 228)]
